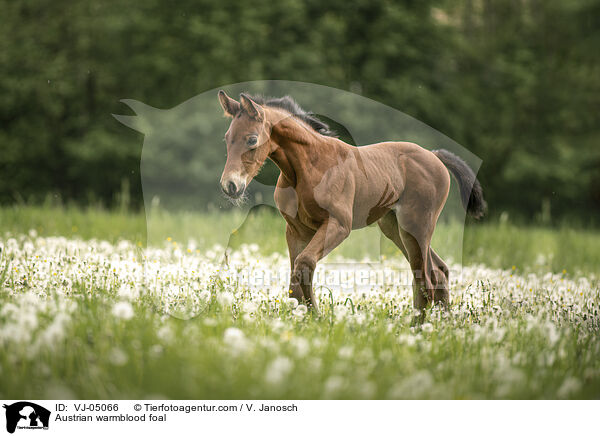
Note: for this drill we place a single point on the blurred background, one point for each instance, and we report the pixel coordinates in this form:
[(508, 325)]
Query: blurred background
[(517, 82)]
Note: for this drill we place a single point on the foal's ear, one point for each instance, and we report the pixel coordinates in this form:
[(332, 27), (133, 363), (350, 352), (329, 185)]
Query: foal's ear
[(230, 106), (252, 108)]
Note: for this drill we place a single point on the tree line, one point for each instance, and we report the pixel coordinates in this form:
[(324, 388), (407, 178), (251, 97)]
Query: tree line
[(515, 82)]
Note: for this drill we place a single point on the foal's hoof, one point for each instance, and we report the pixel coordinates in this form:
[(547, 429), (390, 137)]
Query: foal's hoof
[(417, 320)]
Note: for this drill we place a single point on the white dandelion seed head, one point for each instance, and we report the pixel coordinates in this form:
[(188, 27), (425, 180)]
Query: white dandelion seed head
[(249, 307), (117, 357), (278, 370), (225, 298), (123, 310), (236, 340), (427, 327)]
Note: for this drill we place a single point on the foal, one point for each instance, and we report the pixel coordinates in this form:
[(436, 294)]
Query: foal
[(328, 188)]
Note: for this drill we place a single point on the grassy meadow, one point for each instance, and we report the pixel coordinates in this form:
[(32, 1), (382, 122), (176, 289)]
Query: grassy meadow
[(495, 243), (89, 310)]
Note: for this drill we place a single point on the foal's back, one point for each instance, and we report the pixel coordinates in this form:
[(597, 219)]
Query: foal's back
[(385, 173)]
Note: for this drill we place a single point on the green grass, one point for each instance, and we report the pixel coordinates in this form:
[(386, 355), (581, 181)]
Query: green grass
[(493, 243), (73, 222), (150, 355), (507, 335)]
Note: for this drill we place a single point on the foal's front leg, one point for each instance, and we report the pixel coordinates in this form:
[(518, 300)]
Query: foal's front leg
[(328, 236), (296, 243)]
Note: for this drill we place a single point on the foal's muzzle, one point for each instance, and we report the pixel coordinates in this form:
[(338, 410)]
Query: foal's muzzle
[(232, 188)]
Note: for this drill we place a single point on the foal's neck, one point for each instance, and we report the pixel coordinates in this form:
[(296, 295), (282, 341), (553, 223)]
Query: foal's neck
[(295, 146)]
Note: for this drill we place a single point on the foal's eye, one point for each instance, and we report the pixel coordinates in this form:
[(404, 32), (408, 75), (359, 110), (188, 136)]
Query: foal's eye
[(252, 141)]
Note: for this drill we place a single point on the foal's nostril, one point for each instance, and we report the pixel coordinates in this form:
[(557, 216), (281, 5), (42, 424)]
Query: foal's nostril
[(231, 188)]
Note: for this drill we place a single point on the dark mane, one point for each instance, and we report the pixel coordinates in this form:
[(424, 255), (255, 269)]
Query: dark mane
[(288, 104)]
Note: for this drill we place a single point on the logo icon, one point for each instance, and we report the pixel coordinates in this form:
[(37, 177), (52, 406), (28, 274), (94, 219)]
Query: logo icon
[(26, 415), (183, 170)]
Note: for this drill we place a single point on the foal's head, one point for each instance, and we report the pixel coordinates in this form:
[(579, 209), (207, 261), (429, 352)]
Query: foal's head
[(248, 144)]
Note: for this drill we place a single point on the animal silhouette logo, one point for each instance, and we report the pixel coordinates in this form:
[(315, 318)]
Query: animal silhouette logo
[(184, 152), (26, 415)]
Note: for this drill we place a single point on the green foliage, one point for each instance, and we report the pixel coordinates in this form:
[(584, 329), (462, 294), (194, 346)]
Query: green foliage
[(517, 83)]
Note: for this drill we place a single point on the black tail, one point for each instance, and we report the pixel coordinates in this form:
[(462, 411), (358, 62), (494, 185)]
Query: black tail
[(470, 189)]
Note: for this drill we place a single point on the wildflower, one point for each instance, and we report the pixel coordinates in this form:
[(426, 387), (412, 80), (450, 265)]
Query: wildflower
[(249, 307), (301, 346), (346, 352), (300, 311), (235, 339), (117, 357), (165, 334), (123, 310), (210, 322), (553, 336), (28, 319), (277, 325), (340, 313), (570, 387), (333, 386), (416, 386), (278, 370), (156, 350), (127, 293), (427, 327), (409, 340), (225, 298), (286, 335)]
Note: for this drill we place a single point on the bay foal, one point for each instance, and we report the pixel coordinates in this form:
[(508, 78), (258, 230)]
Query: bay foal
[(328, 188)]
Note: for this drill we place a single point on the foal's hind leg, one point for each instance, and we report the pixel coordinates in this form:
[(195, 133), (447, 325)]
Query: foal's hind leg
[(440, 279), (416, 231), (388, 225), (412, 251), (419, 259)]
